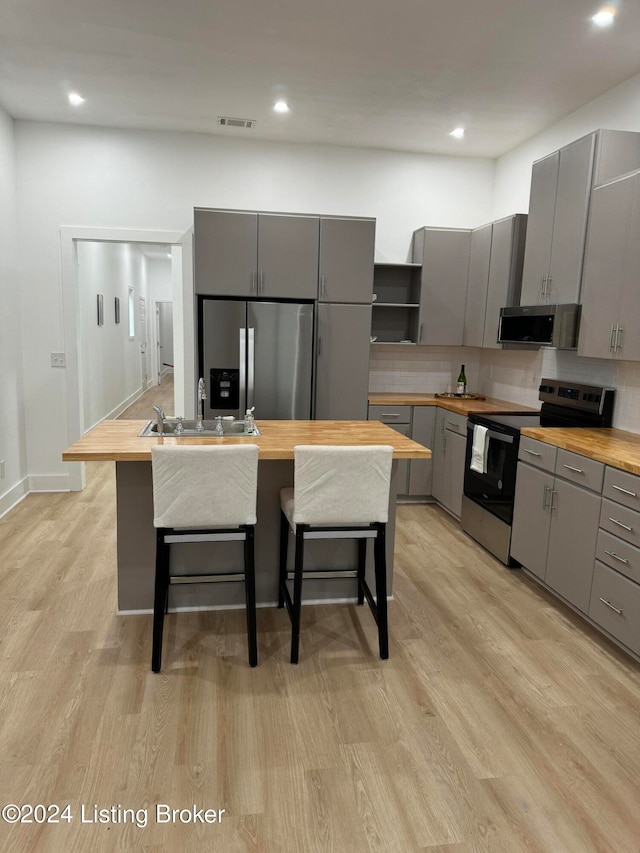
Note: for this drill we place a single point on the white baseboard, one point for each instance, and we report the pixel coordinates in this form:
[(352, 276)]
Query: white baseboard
[(49, 483), (13, 496)]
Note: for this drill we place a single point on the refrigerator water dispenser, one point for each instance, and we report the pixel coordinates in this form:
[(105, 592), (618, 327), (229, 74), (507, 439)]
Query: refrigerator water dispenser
[(224, 387)]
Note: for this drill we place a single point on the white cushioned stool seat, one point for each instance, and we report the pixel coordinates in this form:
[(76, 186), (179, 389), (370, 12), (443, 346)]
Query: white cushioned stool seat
[(203, 493), (338, 492)]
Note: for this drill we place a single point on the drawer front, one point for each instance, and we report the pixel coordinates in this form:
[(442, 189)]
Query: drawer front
[(537, 453), (615, 606), (621, 487), (619, 555), (390, 414), (579, 469), (621, 521), (455, 422)]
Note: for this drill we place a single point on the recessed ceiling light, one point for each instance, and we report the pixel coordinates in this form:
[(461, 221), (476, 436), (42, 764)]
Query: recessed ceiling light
[(458, 133), (281, 107), (604, 17), (75, 99)]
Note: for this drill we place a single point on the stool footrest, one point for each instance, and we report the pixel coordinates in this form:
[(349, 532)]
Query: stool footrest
[(326, 573), (222, 578)]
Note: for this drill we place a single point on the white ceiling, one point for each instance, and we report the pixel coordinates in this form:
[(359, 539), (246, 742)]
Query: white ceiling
[(395, 74)]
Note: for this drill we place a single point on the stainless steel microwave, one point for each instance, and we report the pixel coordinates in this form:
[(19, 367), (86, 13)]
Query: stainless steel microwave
[(540, 325)]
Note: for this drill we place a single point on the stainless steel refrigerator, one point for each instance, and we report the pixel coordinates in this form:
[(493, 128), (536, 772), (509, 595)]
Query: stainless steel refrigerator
[(256, 354)]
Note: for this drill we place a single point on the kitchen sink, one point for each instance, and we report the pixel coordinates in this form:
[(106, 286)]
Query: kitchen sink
[(189, 428)]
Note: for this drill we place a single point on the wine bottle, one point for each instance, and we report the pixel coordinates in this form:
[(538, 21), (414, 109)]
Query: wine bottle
[(461, 384)]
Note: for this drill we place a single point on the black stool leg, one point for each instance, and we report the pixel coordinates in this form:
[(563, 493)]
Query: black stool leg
[(362, 563), (250, 593), (297, 593), (284, 546), (160, 597), (381, 590)]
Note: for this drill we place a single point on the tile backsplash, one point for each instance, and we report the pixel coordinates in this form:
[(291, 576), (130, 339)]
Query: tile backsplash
[(506, 374)]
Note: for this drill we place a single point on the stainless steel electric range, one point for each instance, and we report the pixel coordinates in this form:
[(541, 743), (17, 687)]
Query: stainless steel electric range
[(490, 473)]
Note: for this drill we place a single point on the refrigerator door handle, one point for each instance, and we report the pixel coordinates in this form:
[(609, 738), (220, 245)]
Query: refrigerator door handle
[(251, 364), (243, 366)]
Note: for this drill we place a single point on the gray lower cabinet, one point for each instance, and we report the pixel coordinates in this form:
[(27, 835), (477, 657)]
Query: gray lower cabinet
[(531, 518), (251, 254), (444, 255), (418, 423), (420, 470), (449, 448), (347, 250), (555, 520), (572, 542), (342, 364)]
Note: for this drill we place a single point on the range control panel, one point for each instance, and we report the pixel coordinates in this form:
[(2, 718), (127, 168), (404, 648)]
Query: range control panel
[(590, 398)]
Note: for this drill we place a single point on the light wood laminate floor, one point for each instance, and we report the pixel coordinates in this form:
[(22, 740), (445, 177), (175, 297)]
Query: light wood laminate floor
[(158, 395), (499, 723)]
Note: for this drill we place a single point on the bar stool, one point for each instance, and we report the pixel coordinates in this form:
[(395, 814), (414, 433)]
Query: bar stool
[(203, 493), (338, 493)]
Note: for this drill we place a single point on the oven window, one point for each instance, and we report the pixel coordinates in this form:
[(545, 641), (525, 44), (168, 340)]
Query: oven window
[(495, 489)]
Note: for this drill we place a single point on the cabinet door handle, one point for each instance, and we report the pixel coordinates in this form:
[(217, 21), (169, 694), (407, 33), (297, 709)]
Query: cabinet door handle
[(260, 281), (620, 524), (616, 557), (611, 337), (608, 603), (547, 291), (624, 491), (420, 334), (319, 345), (543, 286), (571, 468), (389, 415), (552, 505), (619, 332), (322, 286), (254, 279), (452, 425), (533, 453), (545, 497)]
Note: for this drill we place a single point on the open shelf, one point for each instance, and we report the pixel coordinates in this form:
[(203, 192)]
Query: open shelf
[(396, 312)]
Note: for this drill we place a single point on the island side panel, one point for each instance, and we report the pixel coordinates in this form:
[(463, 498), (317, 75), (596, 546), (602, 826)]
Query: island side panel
[(136, 548)]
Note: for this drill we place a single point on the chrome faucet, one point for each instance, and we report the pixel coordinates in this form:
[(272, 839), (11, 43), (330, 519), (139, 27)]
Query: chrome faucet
[(202, 396), (160, 418)]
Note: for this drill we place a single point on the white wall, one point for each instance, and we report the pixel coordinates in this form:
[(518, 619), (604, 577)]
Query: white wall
[(70, 175), (12, 443), (110, 361)]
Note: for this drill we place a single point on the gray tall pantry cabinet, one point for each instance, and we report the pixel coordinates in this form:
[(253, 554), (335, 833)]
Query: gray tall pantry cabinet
[(328, 260)]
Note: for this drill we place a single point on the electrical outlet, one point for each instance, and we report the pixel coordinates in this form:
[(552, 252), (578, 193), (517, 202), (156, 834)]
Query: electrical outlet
[(1, 469), (58, 359)]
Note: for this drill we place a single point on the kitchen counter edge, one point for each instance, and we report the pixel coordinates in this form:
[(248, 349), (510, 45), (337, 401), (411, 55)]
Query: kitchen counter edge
[(613, 447)]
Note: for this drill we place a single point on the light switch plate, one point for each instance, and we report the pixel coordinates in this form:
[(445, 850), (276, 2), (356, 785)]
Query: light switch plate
[(58, 359)]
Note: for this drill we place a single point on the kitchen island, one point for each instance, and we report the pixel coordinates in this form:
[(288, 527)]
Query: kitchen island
[(119, 442)]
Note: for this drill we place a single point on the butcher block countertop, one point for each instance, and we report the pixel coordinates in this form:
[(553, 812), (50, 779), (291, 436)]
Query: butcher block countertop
[(612, 446), (118, 441), (463, 407)]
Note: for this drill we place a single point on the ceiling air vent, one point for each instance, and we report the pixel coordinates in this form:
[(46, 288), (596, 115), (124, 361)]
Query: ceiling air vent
[(226, 121)]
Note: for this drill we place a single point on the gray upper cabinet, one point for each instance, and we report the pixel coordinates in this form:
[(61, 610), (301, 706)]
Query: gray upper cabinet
[(342, 381), (556, 230), (444, 255), (239, 253), (495, 278), (610, 303), (225, 252), (288, 256), (347, 248)]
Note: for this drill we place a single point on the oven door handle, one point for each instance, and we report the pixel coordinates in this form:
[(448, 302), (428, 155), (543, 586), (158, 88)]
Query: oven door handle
[(498, 436)]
